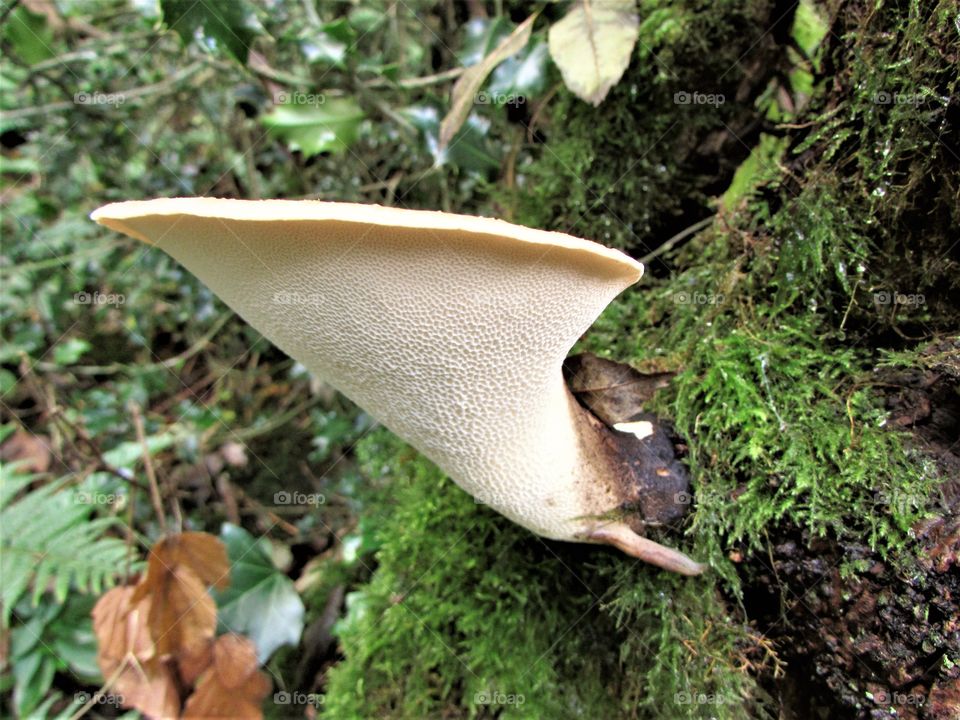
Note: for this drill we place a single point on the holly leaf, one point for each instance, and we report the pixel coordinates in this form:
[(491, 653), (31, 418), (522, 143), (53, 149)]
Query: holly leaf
[(261, 601), (522, 77), (592, 46), (226, 24)]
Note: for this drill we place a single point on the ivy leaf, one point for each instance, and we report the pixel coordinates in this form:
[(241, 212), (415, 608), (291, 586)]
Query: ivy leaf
[(592, 46), (261, 601), (227, 24), (324, 126)]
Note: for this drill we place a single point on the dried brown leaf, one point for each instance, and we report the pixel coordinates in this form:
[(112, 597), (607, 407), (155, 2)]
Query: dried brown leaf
[(465, 90), (233, 687), (126, 654)]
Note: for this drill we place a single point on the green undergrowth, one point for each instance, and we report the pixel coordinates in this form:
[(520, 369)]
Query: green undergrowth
[(469, 615), (774, 318)]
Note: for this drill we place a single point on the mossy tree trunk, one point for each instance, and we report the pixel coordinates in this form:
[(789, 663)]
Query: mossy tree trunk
[(810, 325)]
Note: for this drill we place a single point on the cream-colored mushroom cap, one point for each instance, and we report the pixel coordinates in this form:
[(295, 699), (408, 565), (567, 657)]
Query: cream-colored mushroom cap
[(450, 330)]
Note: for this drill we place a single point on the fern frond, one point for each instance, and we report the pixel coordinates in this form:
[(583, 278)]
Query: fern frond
[(48, 537)]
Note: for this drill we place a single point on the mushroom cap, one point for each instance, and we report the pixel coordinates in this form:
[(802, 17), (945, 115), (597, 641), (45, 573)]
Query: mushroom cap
[(451, 330)]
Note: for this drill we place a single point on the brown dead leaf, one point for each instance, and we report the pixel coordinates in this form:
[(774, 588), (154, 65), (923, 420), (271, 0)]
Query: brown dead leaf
[(464, 94), (193, 663), (183, 615), (126, 653), (614, 392), (233, 687), (30, 449), (201, 552)]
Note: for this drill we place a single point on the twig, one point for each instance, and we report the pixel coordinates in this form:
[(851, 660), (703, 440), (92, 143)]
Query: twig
[(151, 475), (697, 226), (424, 81)]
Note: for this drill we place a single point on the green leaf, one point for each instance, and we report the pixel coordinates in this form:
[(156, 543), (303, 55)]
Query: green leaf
[(128, 454), (223, 24), (522, 77), (323, 47), (809, 27), (592, 46), (261, 601), (482, 37), (29, 35), (313, 128), (68, 352), (469, 148)]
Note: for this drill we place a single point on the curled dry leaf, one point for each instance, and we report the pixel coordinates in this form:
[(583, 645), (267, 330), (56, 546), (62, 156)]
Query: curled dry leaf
[(232, 687), (126, 654), (183, 615), (465, 90)]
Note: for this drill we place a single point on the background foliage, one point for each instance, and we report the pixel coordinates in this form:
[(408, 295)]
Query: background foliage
[(809, 210)]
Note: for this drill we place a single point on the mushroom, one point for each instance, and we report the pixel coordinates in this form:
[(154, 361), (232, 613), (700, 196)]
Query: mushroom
[(450, 330)]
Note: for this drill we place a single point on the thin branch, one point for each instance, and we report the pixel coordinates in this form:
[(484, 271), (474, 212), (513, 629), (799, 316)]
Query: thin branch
[(151, 475), (686, 232)]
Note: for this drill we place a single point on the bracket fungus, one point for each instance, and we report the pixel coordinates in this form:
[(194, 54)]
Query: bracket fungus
[(450, 330)]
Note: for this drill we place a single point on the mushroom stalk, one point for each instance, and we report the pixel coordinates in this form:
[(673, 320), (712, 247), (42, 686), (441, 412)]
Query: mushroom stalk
[(450, 330)]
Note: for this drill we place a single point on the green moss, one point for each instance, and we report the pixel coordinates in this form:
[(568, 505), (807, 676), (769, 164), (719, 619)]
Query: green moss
[(464, 607)]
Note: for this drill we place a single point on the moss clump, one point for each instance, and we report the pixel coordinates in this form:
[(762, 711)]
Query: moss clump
[(466, 615)]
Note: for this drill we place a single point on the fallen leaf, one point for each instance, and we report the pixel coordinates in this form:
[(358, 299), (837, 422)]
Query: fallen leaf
[(592, 45), (614, 392), (193, 662), (126, 653), (30, 449), (183, 615), (232, 687), (465, 90)]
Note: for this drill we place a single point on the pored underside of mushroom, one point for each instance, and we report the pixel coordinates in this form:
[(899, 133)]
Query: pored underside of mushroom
[(450, 330)]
